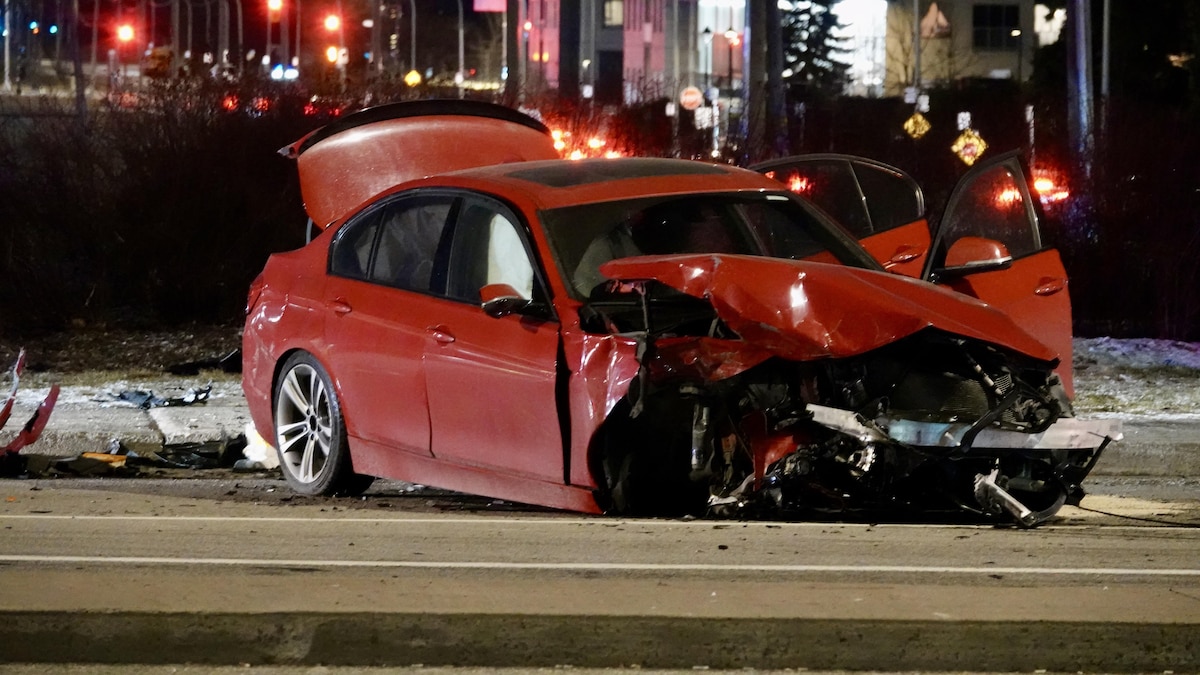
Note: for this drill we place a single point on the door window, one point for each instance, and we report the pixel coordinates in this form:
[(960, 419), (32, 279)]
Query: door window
[(393, 245), (995, 204), (486, 247), (351, 253), (864, 196), (408, 239)]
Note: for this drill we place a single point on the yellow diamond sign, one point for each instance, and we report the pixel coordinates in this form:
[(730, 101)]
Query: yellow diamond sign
[(969, 146), (917, 126)]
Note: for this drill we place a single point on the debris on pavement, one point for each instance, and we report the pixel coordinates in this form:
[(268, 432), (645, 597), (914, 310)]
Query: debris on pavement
[(121, 461), (258, 455), (146, 399), (37, 422)]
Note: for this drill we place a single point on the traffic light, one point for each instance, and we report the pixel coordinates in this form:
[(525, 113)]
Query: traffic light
[(274, 9), (125, 32), (333, 22)]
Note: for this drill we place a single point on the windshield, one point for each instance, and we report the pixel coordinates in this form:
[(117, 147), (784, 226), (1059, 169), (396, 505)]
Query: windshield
[(767, 224)]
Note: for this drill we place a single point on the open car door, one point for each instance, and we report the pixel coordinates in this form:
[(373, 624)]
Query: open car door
[(989, 245), (880, 205)]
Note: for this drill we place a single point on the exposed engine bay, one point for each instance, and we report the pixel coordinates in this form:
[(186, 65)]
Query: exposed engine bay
[(715, 425)]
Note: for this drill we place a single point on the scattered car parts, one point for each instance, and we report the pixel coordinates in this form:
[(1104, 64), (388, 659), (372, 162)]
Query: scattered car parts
[(41, 416)]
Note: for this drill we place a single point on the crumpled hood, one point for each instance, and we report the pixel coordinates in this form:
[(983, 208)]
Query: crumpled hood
[(804, 310)]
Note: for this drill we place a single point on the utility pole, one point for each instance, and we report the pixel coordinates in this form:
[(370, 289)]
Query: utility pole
[(777, 121), (81, 110), (1105, 46), (513, 57), (1080, 115), (8, 49), (917, 45), (1080, 215)]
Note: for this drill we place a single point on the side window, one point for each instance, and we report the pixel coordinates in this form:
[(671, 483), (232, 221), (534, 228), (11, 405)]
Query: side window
[(487, 248), (351, 255), (863, 196), (409, 232), (831, 185), (893, 199), (995, 207)]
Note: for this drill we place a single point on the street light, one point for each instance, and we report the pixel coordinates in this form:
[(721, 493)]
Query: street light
[(336, 55), (526, 28), (412, 45), (715, 118), (274, 16), (458, 77), (1016, 33), (734, 40), (124, 36)]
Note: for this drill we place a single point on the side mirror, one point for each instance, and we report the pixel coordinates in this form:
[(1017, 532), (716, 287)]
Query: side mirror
[(499, 300), (969, 255)]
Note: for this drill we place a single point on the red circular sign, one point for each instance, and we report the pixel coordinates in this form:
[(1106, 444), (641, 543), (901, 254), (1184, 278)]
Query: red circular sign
[(691, 98)]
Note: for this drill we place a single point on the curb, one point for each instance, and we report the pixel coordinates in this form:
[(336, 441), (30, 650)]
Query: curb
[(509, 640), (1151, 447)]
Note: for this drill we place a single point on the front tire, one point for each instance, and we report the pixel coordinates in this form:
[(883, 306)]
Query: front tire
[(310, 434)]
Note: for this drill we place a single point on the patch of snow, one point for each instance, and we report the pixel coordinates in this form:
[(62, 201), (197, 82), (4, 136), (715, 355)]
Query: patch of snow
[(1138, 353), (1146, 378)]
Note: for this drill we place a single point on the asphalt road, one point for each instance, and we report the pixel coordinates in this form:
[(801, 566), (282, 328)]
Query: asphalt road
[(237, 570)]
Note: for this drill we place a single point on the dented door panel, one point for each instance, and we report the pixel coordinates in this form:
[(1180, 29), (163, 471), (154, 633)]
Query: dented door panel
[(994, 202), (1034, 293), (901, 250)]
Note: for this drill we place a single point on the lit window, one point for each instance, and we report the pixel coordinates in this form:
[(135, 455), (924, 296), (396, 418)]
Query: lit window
[(614, 13)]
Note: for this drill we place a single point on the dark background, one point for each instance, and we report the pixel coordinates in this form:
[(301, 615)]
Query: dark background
[(160, 207)]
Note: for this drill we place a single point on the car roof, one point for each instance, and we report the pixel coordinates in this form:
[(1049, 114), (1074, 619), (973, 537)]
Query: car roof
[(562, 182), (393, 147)]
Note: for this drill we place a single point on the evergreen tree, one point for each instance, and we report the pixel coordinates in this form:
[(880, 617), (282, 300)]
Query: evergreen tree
[(811, 49)]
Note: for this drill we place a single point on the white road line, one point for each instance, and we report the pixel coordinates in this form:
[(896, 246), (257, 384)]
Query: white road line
[(597, 521), (603, 567)]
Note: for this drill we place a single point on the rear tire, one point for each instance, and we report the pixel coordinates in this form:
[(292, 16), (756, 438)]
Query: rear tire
[(310, 435)]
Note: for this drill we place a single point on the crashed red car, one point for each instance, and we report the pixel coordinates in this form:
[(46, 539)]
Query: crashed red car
[(655, 336)]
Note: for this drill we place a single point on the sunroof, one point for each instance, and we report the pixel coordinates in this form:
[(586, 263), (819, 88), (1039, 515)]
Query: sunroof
[(567, 174)]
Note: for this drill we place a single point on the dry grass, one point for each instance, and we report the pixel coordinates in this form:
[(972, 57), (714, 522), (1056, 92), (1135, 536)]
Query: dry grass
[(92, 355)]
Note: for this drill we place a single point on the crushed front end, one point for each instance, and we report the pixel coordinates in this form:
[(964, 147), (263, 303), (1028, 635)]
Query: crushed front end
[(930, 421), (934, 420)]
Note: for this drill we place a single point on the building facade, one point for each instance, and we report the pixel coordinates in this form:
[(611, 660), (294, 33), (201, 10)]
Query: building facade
[(960, 39), (625, 51)]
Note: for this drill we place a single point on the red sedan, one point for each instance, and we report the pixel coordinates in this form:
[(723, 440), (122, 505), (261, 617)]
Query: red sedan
[(657, 336)]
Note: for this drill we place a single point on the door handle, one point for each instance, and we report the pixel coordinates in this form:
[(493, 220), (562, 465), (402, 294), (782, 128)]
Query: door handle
[(441, 334), (1050, 286), (904, 253), (340, 306)]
